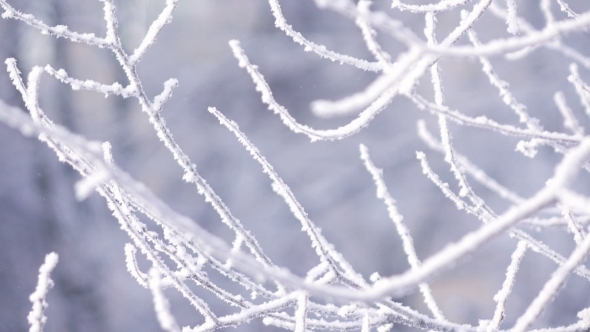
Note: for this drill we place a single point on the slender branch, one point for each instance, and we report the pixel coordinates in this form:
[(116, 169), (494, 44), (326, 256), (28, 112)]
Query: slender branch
[(36, 317), (506, 289), (321, 50), (402, 230)]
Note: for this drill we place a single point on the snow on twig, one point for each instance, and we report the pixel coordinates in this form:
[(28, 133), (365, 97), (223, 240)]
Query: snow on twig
[(75, 84), (320, 50), (36, 317), (569, 120), (165, 95), (157, 25), (369, 35), (511, 21), (503, 89), (486, 123), (58, 30), (566, 9), (582, 89), (547, 13), (112, 23), (507, 286), (443, 5), (131, 262), (402, 230), (161, 305), (301, 312)]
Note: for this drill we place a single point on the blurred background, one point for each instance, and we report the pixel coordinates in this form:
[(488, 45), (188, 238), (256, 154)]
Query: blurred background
[(94, 292)]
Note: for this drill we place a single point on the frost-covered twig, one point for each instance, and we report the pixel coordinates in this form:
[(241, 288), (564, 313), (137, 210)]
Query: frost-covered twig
[(132, 267), (443, 5), (58, 31), (369, 35), (36, 317), (511, 21), (157, 25), (161, 305), (582, 89), (566, 8), (486, 123), (569, 120), (507, 286), (320, 50), (301, 312), (503, 89), (402, 230), (75, 84), (547, 13), (573, 226)]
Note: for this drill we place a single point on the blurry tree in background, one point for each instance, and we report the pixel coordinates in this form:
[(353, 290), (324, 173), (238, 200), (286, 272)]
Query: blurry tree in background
[(470, 116)]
